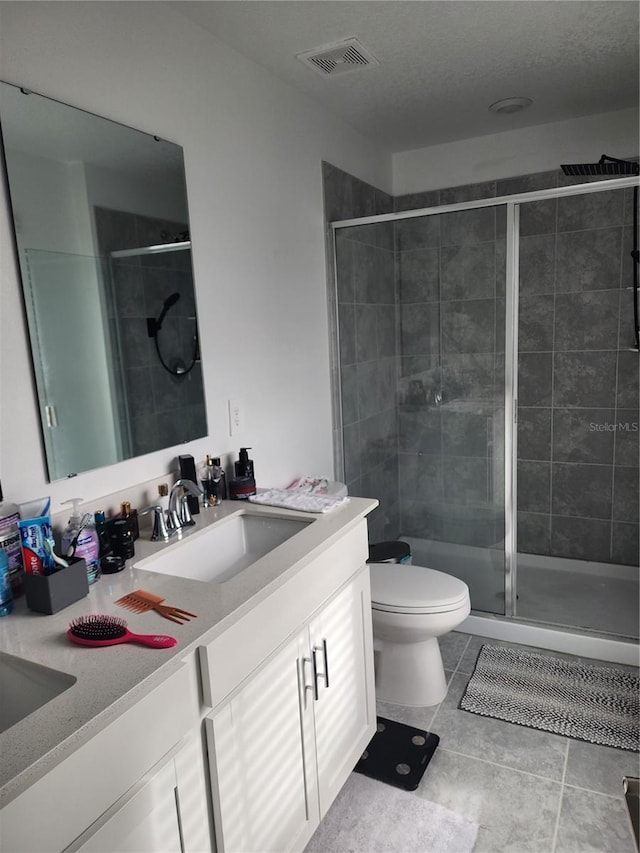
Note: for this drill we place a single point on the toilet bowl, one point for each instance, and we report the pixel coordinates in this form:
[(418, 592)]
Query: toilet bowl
[(412, 606)]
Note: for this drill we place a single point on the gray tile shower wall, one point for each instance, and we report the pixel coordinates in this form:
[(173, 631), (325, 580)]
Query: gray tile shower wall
[(366, 312), (577, 439), (451, 385), (161, 408), (578, 417)]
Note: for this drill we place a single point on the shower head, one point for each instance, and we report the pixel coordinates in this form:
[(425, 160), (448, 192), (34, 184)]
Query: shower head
[(169, 302), (606, 166), (154, 326)]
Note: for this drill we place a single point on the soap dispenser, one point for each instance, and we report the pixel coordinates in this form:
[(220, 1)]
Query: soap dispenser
[(243, 485), (244, 465), (80, 539)]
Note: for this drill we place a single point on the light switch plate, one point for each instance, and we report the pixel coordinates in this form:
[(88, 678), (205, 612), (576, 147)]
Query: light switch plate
[(236, 417)]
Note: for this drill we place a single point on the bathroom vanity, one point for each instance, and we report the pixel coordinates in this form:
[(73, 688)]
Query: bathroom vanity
[(238, 738)]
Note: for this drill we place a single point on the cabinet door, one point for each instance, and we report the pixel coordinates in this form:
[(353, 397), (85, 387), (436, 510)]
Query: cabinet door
[(345, 709), (262, 759), (147, 823)]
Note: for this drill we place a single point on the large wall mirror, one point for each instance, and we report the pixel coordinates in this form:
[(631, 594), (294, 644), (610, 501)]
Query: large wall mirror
[(102, 233)]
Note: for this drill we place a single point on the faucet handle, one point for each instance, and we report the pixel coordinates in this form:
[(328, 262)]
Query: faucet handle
[(184, 513), (160, 531)]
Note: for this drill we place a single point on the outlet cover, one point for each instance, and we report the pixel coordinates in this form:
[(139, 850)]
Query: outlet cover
[(236, 417)]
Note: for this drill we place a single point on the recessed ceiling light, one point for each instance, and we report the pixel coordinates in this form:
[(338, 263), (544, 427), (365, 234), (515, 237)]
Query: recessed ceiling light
[(510, 105)]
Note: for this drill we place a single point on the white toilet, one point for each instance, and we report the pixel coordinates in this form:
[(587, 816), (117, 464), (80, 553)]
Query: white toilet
[(412, 607)]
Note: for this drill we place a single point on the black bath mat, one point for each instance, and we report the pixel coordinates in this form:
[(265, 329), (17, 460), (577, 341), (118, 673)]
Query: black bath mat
[(398, 754), (597, 704)]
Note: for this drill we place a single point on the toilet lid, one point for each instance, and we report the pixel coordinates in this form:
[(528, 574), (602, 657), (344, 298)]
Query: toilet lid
[(415, 589)]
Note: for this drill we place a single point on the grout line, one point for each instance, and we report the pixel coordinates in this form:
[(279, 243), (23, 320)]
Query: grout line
[(562, 788), (502, 766), (597, 793)]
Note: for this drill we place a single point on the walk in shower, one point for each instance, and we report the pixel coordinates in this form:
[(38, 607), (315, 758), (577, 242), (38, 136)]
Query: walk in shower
[(488, 390)]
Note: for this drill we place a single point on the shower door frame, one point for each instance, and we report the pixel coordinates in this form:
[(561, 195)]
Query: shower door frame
[(512, 204)]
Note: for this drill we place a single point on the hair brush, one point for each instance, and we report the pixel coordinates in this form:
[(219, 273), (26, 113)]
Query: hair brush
[(101, 630)]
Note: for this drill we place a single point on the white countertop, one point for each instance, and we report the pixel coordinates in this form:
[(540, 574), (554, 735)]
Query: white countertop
[(112, 679)]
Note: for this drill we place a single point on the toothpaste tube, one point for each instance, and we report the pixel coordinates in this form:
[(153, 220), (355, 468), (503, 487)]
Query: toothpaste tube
[(36, 556)]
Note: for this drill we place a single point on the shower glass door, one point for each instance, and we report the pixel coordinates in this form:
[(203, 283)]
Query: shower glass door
[(421, 317)]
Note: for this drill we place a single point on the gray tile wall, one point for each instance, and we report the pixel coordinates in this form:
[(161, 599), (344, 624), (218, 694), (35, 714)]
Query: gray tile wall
[(578, 384), (451, 306), (368, 353), (578, 433), (163, 409)]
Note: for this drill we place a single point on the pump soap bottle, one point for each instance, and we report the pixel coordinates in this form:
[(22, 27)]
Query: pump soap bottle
[(244, 465), (243, 484), (80, 539)]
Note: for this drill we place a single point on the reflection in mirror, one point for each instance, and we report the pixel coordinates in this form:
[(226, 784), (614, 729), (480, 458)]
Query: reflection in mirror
[(102, 233)]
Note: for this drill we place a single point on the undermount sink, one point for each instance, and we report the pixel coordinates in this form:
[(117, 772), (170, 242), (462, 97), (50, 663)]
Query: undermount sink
[(225, 549), (27, 686)]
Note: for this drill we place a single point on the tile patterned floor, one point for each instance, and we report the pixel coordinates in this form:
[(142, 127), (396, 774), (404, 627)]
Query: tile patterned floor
[(530, 791)]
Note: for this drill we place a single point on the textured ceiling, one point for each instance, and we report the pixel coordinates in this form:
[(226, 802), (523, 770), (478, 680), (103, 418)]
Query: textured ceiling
[(443, 63)]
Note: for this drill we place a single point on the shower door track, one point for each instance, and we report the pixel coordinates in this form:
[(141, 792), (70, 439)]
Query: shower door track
[(512, 204)]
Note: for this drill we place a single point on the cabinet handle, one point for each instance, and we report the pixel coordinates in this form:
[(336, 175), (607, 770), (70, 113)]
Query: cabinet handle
[(314, 686), (324, 675)]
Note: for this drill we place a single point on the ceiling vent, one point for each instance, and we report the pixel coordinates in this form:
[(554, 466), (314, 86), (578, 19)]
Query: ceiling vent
[(338, 58)]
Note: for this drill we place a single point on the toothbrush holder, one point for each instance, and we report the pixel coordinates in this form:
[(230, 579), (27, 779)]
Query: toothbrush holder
[(51, 593)]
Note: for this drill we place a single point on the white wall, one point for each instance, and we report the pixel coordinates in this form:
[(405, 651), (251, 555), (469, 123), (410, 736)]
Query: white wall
[(37, 224), (517, 152), (253, 149), (114, 189), (52, 215)]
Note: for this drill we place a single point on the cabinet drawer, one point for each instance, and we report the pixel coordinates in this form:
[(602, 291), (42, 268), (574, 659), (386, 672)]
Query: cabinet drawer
[(58, 807), (231, 657)]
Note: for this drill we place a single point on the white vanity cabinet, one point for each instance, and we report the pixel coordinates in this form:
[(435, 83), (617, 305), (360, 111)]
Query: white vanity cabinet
[(344, 712), (149, 821), (281, 676), (262, 761), (137, 785), (157, 816), (282, 746)]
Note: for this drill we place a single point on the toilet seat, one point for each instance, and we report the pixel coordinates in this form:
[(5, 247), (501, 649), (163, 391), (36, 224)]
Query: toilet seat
[(398, 588)]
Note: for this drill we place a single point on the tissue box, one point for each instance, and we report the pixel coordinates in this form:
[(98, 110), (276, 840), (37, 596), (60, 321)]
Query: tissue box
[(50, 593)]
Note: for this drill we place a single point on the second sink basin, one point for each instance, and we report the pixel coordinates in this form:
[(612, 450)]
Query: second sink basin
[(221, 551), (27, 686)]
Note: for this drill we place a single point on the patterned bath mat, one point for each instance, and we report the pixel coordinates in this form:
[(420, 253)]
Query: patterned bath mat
[(598, 704)]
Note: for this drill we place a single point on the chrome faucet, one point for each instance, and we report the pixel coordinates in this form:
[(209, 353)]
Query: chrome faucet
[(160, 531), (179, 514)]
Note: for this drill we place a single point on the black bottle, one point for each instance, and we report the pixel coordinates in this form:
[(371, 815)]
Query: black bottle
[(122, 540), (131, 517), (243, 484), (221, 480), (244, 465), (188, 472)]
